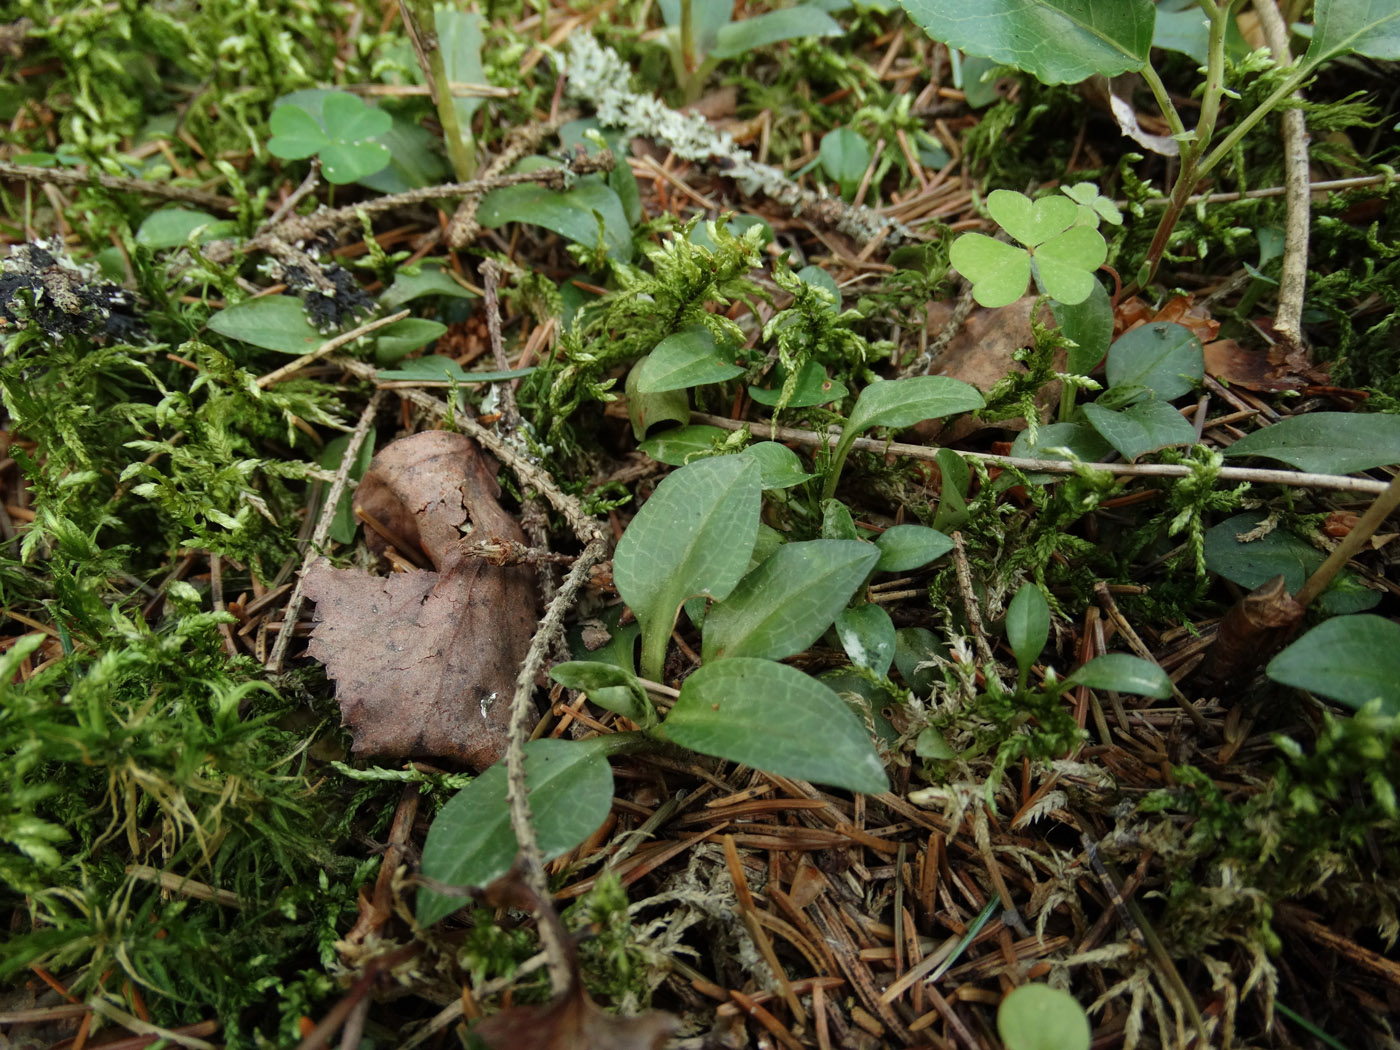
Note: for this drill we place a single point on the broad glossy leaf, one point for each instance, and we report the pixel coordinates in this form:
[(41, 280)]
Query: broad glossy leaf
[(1368, 27), (1350, 659), (173, 227), (867, 635), (778, 465), (471, 841), (693, 537), (679, 444), (607, 685), (429, 280), (1079, 439), (771, 28), (906, 547), (401, 338), (813, 388), (1031, 222), (1165, 358), (684, 359), (1123, 673), (273, 322), (999, 272), (1027, 626), (775, 718), (569, 213), (1039, 1017), (899, 403), (1141, 428), (1057, 41), (1326, 442), (1279, 553), (784, 605), (1090, 324)]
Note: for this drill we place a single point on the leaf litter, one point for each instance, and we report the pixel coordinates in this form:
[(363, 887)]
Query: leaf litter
[(425, 661)]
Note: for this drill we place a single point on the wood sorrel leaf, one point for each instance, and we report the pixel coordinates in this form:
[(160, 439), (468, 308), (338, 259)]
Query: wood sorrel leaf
[(1350, 659), (775, 718), (784, 605), (1031, 222), (999, 272), (1067, 261), (1056, 41), (1039, 1017), (693, 537), (471, 842)]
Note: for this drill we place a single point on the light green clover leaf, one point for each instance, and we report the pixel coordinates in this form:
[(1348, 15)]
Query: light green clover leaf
[(1093, 205), (345, 143), (1065, 254)]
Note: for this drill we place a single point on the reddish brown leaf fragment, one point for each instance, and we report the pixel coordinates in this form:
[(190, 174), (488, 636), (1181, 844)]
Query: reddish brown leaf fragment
[(573, 1021), (425, 662)]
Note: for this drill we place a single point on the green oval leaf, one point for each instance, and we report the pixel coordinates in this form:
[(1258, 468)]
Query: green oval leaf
[(1038, 1017), (844, 156), (1090, 324), (647, 410), (693, 537), (900, 403), (1056, 41), (684, 359), (1077, 439), (173, 227), (867, 634), (1368, 27), (607, 685), (1326, 442), (1122, 673), (295, 133), (273, 322), (1279, 553), (813, 388), (1141, 428), (429, 280), (471, 841), (779, 466), (1027, 626), (1350, 659), (784, 605), (569, 213), (401, 338), (679, 444), (906, 547), (775, 718), (1163, 357)]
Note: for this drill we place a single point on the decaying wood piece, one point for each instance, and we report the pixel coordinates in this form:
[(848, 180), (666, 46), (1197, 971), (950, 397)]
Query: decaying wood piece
[(425, 662), (1252, 631)]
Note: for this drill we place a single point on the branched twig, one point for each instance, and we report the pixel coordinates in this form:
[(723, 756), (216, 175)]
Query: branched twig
[(812, 439), (463, 229), (65, 177), (328, 347), (299, 228), (323, 528)]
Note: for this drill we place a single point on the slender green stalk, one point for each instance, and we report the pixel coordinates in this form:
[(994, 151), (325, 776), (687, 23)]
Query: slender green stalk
[(1164, 100), (419, 20)]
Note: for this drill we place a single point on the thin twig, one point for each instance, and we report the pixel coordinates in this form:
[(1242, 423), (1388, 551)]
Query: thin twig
[(522, 714), (328, 347), (323, 528), (1325, 185), (65, 177), (1288, 320), (812, 439), (971, 609)]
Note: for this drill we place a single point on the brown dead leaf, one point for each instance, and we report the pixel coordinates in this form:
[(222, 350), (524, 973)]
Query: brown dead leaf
[(425, 662), (573, 1021), (980, 354)]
